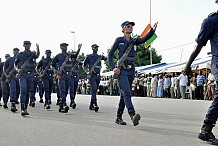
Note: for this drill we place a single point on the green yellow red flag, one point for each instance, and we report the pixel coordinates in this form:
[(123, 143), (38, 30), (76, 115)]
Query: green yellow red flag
[(148, 42)]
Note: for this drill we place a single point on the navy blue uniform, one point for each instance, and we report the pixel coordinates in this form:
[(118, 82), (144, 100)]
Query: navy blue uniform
[(64, 83), (126, 75), (75, 80), (14, 82), (47, 80), (5, 89), (26, 79), (209, 31), (95, 78), (1, 72)]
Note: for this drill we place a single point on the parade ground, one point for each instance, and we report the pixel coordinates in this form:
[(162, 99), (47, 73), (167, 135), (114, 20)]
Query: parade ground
[(164, 122)]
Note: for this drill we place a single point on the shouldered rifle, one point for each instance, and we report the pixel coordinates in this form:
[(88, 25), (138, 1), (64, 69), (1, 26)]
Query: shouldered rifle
[(120, 62), (46, 69), (74, 66), (26, 63), (92, 70), (11, 73), (62, 67)]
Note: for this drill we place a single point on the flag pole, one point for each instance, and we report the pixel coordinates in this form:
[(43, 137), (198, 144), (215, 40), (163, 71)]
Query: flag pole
[(150, 45)]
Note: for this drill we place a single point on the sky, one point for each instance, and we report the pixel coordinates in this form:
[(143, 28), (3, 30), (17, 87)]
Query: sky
[(50, 22)]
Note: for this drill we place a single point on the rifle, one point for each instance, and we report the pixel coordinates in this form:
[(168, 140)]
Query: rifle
[(10, 75), (62, 66), (74, 66), (120, 62), (92, 70), (23, 67), (46, 69)]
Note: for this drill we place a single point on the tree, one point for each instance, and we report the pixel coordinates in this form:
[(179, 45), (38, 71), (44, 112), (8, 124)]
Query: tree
[(142, 57), (82, 73)]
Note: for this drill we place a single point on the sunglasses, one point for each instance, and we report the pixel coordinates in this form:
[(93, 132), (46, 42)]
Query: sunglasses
[(129, 26)]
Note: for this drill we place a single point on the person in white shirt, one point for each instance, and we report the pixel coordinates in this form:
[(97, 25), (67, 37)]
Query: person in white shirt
[(172, 86), (211, 86), (183, 81)]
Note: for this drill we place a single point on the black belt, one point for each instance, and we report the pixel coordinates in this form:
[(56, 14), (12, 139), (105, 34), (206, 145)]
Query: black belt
[(67, 72), (28, 72), (127, 66)]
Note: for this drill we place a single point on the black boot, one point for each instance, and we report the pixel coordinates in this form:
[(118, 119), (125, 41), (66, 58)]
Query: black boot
[(207, 135), (13, 107), (91, 107), (119, 119), (96, 108), (135, 118), (63, 108), (73, 104), (5, 106), (58, 101), (46, 105), (41, 100), (24, 110)]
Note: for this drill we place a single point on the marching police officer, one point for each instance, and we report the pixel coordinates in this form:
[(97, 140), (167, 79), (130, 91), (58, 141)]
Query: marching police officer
[(63, 75), (209, 31), (11, 78), (41, 87), (46, 76), (127, 71), (25, 63), (74, 76), (92, 66), (5, 86), (1, 72)]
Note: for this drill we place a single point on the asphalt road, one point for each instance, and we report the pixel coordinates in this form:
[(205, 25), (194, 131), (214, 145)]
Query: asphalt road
[(165, 122)]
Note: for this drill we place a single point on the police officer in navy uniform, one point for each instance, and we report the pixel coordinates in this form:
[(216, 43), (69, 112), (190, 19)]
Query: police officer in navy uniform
[(127, 74), (63, 76), (5, 86), (13, 80), (26, 78), (74, 76), (208, 31), (46, 77), (41, 88), (95, 78), (1, 72)]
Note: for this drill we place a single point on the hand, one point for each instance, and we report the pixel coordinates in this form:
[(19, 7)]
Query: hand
[(37, 46), (155, 26), (79, 46), (116, 71)]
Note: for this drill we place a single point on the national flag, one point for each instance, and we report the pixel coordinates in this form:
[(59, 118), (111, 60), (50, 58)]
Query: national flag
[(146, 30), (148, 42)]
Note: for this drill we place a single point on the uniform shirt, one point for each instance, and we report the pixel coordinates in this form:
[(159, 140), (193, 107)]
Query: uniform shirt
[(43, 63), (90, 61), (75, 65), (200, 80), (1, 68), (22, 57), (122, 44), (59, 60), (9, 64), (209, 31)]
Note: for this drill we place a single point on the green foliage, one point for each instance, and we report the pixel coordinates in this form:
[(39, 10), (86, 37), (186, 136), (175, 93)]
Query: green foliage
[(82, 73)]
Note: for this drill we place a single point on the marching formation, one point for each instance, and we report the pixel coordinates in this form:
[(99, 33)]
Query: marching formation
[(21, 74)]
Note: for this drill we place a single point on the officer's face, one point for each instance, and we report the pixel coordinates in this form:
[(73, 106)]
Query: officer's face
[(128, 28), (95, 49), (15, 52), (64, 48), (27, 46), (48, 54)]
